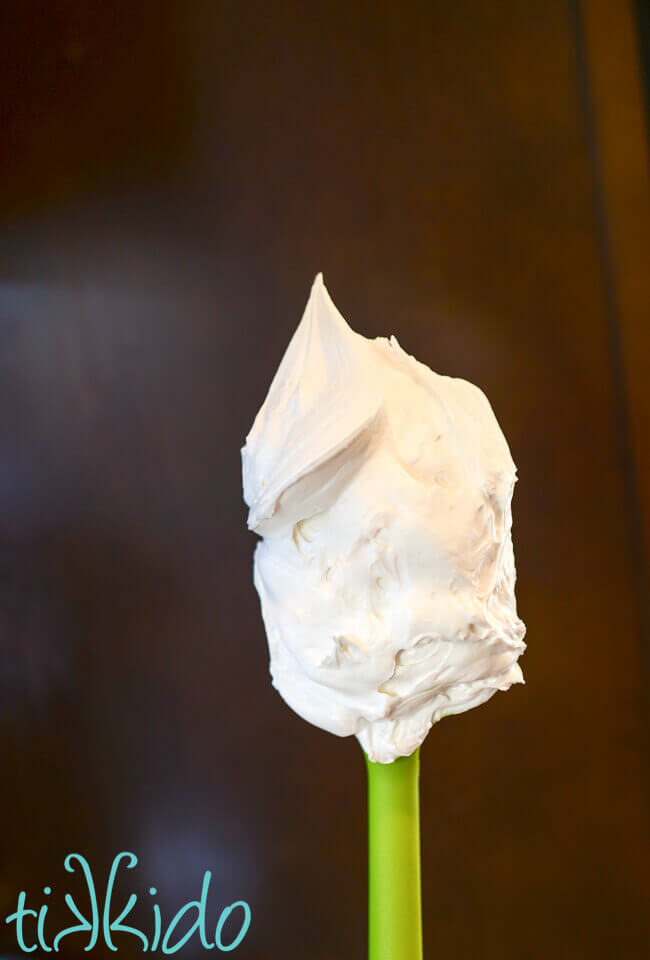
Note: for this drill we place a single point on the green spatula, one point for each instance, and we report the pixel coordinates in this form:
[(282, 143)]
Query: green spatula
[(394, 890)]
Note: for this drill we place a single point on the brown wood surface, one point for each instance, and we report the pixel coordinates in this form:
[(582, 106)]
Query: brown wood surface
[(621, 165), (468, 176)]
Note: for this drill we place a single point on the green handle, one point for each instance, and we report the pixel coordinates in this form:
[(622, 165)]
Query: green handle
[(394, 893)]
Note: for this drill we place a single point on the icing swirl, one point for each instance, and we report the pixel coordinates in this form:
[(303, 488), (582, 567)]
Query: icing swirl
[(386, 572)]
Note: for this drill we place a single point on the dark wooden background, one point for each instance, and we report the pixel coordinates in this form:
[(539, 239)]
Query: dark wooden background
[(471, 176)]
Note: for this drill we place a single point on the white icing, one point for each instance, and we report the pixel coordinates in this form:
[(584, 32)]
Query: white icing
[(386, 572)]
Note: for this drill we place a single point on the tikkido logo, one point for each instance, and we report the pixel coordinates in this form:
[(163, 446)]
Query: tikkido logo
[(31, 924)]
